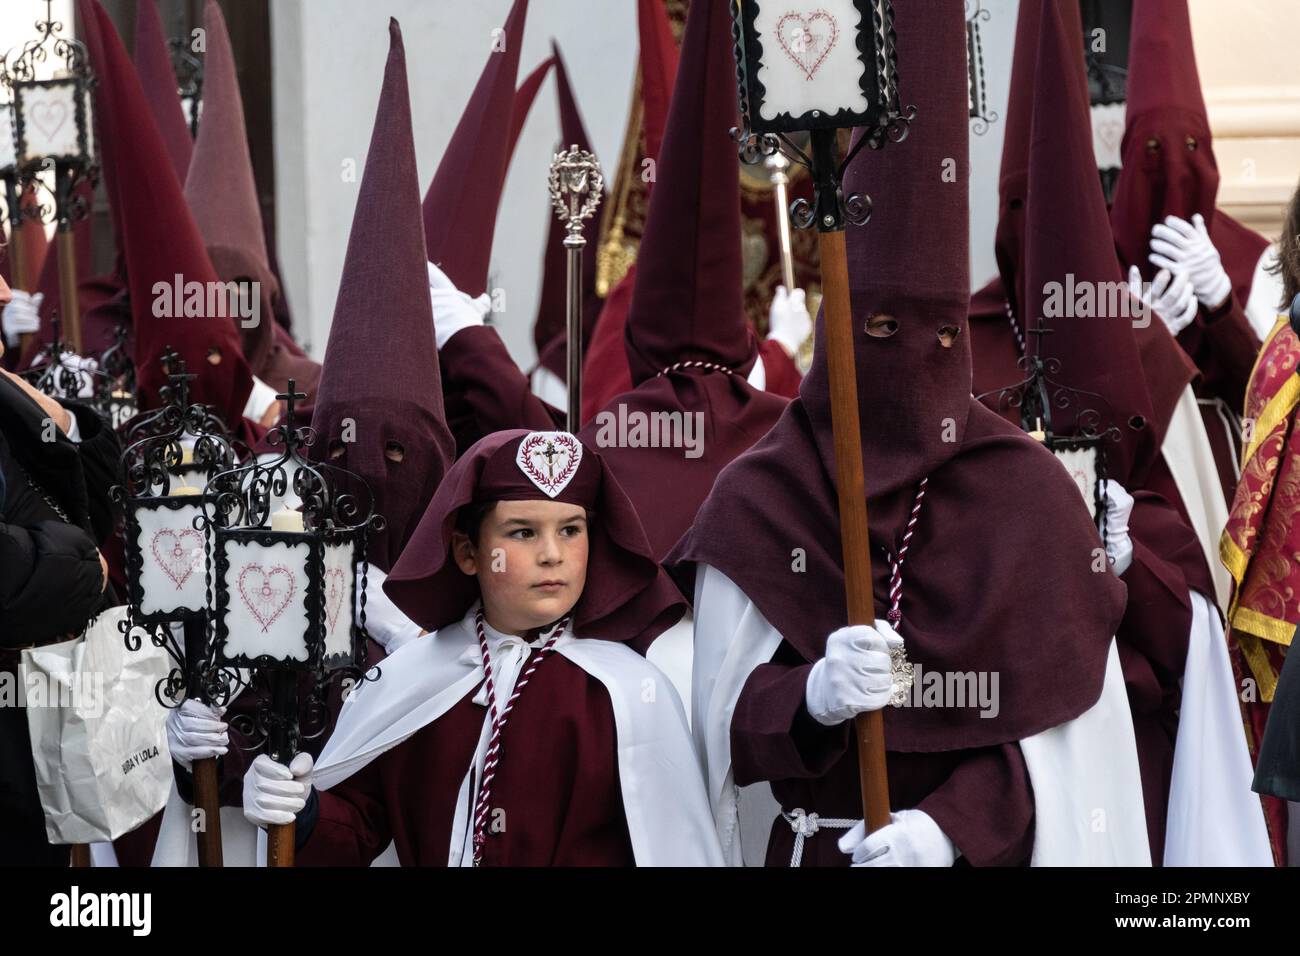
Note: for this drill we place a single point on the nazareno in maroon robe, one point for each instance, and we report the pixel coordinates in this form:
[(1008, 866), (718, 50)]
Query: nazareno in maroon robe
[(994, 582), (1169, 169), (1047, 178)]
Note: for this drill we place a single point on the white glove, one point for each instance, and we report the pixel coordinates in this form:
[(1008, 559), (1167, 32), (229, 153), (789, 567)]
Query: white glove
[(911, 838), (384, 622), (274, 793), (22, 315), (196, 731), (261, 398), (1170, 296), (854, 676), (1119, 546), (1182, 246), (788, 320), (453, 310)]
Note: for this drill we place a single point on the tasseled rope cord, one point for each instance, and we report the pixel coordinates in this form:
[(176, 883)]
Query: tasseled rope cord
[(499, 722), (695, 363), (1015, 326), (895, 615)]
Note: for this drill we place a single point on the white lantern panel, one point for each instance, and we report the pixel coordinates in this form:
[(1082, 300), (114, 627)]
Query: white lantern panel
[(49, 114), (810, 57), (90, 122), (8, 156), (172, 559), (1081, 463), (336, 593), (266, 589)]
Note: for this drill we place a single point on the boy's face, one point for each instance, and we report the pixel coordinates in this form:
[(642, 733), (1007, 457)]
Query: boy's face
[(530, 560)]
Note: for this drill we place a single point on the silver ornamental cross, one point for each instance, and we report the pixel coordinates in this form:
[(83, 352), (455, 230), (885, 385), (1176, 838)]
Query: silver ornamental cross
[(576, 185)]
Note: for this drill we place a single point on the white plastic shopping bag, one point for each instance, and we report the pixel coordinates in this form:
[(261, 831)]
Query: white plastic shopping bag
[(99, 738)]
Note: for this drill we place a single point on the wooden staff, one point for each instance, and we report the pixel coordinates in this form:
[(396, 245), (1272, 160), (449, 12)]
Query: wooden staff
[(204, 770), (281, 838), (849, 480)]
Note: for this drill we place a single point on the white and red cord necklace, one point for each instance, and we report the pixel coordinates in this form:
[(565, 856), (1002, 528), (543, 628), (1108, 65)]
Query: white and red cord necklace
[(493, 755)]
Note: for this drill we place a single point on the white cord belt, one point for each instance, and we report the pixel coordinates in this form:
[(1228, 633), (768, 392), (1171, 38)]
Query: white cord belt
[(805, 825)]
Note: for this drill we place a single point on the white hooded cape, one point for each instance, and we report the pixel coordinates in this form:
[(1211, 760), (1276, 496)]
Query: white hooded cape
[(664, 800)]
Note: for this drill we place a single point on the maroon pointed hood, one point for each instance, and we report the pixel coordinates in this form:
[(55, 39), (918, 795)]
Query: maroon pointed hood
[(380, 393), (1067, 233), (550, 335), (688, 303), (221, 191), (910, 263), (153, 64), (159, 238), (1168, 157), (460, 208)]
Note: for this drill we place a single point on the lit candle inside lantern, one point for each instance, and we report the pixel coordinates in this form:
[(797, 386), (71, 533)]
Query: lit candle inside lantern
[(179, 490), (286, 520)]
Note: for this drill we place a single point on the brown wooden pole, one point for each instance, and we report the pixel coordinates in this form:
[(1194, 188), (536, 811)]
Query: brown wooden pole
[(69, 306), (851, 485), (280, 841), (79, 856), (207, 800)]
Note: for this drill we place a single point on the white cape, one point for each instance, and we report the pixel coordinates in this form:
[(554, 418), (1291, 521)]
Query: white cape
[(1191, 462), (1215, 819), (1082, 817), (663, 796)]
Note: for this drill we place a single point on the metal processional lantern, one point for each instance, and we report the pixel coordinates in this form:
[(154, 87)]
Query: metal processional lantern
[(54, 130), (171, 453), (821, 66), (288, 587)]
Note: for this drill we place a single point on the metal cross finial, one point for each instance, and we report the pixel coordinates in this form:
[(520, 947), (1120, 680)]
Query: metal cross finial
[(576, 184), (291, 396)]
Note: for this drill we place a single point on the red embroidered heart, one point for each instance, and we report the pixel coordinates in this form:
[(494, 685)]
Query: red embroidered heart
[(178, 553), (49, 117), (266, 594), (334, 585), (807, 40)]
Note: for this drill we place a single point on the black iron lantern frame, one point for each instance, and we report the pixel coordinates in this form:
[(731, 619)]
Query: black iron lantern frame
[(288, 602), (189, 77), (168, 572)]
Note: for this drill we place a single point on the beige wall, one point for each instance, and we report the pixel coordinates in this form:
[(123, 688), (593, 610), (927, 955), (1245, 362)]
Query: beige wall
[(1250, 75)]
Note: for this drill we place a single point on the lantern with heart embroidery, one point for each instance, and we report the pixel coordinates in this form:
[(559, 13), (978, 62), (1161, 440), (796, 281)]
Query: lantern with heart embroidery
[(167, 463), (285, 582), (54, 129)]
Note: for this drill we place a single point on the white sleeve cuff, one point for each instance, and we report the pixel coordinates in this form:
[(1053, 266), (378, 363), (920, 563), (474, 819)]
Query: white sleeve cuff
[(74, 430), (260, 399)]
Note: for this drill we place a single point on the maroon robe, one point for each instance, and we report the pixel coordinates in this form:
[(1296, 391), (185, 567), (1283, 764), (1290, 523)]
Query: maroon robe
[(557, 785), (980, 798)]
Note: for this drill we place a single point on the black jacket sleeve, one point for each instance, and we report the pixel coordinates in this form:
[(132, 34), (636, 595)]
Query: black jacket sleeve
[(51, 582), (101, 463)]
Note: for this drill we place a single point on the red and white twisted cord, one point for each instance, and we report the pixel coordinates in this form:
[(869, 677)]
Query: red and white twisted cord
[(492, 757), (696, 363), (896, 561)]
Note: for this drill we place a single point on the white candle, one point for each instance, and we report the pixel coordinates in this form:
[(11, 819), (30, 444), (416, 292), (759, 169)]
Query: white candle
[(286, 520), (179, 490)]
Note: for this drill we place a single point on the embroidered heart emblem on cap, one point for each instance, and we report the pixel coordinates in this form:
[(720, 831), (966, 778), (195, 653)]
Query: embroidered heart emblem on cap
[(333, 596), (549, 459), (266, 594), (807, 39), (178, 553)]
